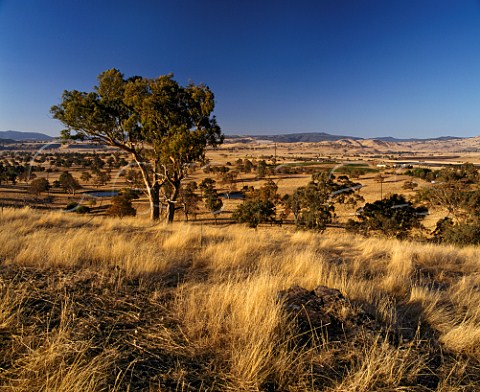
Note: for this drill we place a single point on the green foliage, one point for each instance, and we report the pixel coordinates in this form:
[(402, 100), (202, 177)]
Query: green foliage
[(313, 205), (355, 170), (101, 178), (10, 172), (267, 192), (189, 198), (393, 217), (173, 121), (85, 176), (261, 169), (423, 173), (456, 191), (130, 194), (26, 175), (464, 233), (466, 173), (229, 181), (78, 208), (210, 196), (254, 212), (409, 185), (259, 205)]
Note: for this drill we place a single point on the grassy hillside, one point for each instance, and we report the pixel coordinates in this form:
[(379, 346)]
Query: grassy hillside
[(102, 304)]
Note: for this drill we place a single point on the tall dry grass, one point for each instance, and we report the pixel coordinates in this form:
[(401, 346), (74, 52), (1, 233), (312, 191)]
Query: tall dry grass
[(218, 314)]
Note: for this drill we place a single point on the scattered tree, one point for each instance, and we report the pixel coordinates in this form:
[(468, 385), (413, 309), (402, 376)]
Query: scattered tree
[(253, 212), (261, 169), (121, 206), (68, 183), (39, 185), (189, 199), (313, 205), (212, 201), (229, 181), (86, 176), (101, 178)]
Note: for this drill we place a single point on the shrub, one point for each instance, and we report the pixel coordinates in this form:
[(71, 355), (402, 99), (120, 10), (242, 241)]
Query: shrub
[(78, 208), (461, 233), (121, 206)]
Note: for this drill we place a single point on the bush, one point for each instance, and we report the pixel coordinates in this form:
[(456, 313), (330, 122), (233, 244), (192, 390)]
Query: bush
[(122, 206), (463, 233), (78, 208)]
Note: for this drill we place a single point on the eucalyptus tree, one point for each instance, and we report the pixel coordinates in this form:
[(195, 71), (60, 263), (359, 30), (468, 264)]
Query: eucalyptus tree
[(164, 126)]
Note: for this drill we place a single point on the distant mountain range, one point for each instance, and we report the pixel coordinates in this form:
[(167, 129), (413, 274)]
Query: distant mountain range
[(316, 137), (24, 136), (306, 137)]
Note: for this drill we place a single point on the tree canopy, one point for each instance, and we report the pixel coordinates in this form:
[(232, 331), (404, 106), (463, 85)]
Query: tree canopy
[(313, 204), (394, 216), (163, 125)]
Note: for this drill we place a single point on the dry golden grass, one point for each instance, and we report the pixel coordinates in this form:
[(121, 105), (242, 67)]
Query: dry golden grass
[(108, 304)]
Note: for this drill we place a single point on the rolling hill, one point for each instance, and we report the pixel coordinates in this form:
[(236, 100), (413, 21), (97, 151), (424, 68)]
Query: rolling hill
[(25, 136), (317, 137)]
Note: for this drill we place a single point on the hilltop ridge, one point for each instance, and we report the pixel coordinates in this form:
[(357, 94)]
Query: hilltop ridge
[(316, 137), (25, 136)]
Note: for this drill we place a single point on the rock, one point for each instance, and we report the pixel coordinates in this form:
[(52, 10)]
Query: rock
[(322, 313)]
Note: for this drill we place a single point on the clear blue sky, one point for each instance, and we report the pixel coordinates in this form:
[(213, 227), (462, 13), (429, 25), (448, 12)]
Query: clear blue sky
[(404, 68)]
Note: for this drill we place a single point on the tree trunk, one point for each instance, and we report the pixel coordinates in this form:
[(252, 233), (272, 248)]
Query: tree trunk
[(172, 201), (154, 195)]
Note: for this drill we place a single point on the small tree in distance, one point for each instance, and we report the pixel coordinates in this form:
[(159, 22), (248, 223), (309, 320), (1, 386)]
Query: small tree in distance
[(313, 204), (189, 199), (68, 183), (254, 212), (101, 178), (39, 185), (212, 201), (86, 176), (121, 206), (409, 185)]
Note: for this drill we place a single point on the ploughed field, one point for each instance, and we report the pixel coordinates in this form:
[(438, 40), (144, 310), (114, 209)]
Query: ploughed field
[(100, 304)]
